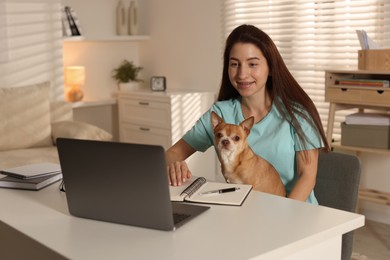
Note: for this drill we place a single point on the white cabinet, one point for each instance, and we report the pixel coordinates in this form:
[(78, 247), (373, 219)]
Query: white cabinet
[(162, 118), (159, 117)]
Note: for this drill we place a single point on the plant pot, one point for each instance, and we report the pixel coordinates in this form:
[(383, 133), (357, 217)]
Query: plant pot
[(129, 86)]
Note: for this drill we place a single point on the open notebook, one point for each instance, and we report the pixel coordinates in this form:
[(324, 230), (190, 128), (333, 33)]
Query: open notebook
[(198, 189)]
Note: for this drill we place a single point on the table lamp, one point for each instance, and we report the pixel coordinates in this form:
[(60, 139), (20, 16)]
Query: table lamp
[(74, 80)]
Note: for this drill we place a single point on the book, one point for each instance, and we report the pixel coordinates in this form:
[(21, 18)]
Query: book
[(65, 23), (29, 184), (31, 171), (360, 118), (199, 190), (364, 82), (73, 21)]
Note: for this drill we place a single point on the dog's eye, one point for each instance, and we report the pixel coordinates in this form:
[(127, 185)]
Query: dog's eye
[(219, 135), (236, 138)]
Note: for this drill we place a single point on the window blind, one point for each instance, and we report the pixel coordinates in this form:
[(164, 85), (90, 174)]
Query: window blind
[(31, 43), (314, 36)]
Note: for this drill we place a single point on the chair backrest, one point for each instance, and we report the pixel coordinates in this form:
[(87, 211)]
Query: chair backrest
[(337, 186), (338, 179)]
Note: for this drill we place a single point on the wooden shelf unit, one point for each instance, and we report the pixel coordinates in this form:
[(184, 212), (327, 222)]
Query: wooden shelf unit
[(341, 97)]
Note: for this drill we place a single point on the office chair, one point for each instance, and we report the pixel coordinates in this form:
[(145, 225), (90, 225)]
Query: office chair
[(337, 186)]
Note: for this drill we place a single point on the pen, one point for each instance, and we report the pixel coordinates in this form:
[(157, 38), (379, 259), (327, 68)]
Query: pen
[(220, 191)]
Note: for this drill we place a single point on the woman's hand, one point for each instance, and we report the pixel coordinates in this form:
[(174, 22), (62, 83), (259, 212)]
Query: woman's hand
[(178, 171)]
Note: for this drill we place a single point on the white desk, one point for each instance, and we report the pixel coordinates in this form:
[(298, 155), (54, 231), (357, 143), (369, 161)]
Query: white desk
[(265, 227)]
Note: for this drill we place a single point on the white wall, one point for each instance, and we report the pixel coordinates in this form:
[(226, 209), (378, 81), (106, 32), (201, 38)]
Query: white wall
[(97, 19), (185, 44)]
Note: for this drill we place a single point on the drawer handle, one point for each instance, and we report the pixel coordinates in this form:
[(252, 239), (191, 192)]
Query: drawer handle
[(143, 103), (344, 89), (144, 129), (380, 91)]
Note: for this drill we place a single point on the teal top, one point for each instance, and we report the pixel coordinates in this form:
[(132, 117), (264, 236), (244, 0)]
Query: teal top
[(273, 138)]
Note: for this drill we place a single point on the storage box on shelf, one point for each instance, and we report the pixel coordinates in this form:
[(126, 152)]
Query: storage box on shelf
[(377, 60), (343, 97), (370, 136)]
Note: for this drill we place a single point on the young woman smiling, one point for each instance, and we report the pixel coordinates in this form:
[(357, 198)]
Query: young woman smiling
[(288, 131)]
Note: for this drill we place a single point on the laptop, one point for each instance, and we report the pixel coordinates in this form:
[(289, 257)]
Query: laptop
[(121, 183)]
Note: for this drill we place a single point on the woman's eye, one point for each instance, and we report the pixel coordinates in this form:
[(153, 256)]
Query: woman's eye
[(233, 65), (236, 138), (253, 64)]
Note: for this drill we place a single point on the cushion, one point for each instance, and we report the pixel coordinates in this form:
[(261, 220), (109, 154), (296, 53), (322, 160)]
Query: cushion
[(60, 111), (78, 130), (25, 117)]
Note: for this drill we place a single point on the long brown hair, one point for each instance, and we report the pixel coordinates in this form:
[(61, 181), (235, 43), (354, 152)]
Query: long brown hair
[(288, 96)]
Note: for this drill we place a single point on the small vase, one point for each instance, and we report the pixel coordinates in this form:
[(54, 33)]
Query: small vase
[(132, 18), (121, 22)]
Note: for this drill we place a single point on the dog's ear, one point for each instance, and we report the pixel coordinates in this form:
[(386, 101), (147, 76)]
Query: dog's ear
[(247, 124), (215, 119)]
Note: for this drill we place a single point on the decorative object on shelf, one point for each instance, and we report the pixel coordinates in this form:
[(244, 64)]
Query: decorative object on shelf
[(74, 80), (70, 22), (133, 18), (158, 83), (126, 75), (121, 22)]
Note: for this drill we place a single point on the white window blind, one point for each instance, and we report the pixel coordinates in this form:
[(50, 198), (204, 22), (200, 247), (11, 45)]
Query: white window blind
[(31, 43), (313, 36)]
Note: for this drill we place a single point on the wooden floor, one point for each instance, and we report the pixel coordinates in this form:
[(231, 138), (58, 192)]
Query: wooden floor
[(372, 242)]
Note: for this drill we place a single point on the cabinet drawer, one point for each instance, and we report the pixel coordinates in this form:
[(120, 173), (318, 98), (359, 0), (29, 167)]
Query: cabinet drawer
[(144, 112), (145, 135), (358, 96)]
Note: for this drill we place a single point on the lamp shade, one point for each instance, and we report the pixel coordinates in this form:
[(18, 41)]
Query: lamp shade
[(75, 75)]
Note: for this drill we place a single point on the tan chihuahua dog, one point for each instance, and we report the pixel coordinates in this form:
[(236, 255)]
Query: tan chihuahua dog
[(239, 163)]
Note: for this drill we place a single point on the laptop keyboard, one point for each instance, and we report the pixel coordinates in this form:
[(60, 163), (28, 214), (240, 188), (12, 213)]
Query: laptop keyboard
[(178, 217)]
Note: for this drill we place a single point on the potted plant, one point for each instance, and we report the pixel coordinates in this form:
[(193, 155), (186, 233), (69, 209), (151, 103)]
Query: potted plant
[(126, 75)]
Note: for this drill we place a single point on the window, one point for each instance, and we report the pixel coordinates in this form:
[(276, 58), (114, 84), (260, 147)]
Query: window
[(31, 43), (313, 36)]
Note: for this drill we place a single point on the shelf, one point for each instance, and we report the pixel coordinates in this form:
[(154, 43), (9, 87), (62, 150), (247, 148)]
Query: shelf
[(361, 149), (346, 87), (115, 38), (376, 196), (94, 103)]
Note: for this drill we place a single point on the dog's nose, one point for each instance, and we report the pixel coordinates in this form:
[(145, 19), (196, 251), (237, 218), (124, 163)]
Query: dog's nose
[(225, 142)]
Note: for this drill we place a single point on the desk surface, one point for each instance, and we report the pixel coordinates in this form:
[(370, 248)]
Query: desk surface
[(265, 227)]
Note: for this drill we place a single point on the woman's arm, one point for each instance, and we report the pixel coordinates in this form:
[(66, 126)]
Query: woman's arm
[(178, 171), (307, 173)]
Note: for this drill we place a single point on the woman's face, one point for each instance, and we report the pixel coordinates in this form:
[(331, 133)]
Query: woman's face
[(248, 69)]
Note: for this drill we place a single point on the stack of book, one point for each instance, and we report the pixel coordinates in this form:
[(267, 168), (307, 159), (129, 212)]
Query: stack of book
[(70, 22), (382, 83), (30, 177)]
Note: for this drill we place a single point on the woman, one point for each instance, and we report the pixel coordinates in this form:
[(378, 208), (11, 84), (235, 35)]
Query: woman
[(288, 131)]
